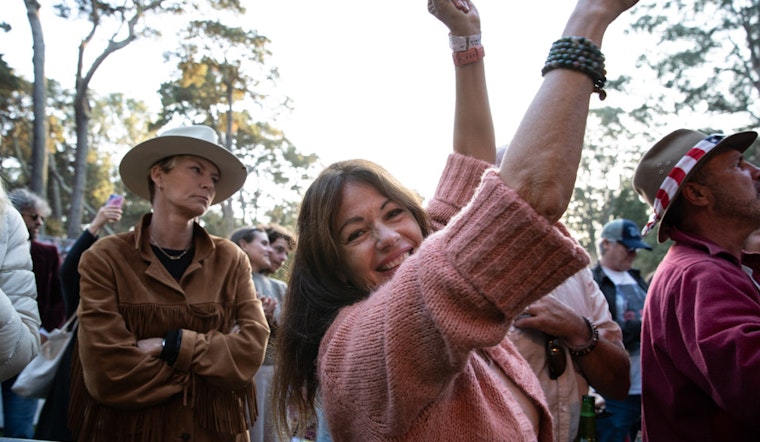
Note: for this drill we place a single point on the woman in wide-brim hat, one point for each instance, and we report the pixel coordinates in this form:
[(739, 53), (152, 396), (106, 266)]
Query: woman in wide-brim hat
[(171, 330)]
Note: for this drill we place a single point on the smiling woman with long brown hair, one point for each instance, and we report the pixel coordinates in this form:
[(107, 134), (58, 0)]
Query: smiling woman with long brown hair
[(397, 333)]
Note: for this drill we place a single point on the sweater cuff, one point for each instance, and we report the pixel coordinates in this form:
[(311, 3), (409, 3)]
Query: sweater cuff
[(513, 255)]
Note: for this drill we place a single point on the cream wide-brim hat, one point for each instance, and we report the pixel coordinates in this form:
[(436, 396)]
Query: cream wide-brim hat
[(656, 164), (200, 141)]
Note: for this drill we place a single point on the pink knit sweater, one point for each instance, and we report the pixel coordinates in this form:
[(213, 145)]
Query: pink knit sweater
[(402, 364)]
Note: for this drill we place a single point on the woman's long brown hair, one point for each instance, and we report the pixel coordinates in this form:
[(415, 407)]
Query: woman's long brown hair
[(316, 288)]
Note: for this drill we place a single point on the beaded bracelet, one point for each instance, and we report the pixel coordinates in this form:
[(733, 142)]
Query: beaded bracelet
[(579, 54), (586, 348)]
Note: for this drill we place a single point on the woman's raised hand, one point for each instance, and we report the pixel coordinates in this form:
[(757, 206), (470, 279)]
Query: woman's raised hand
[(460, 16)]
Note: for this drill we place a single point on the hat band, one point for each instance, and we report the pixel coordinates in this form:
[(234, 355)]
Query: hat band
[(675, 178)]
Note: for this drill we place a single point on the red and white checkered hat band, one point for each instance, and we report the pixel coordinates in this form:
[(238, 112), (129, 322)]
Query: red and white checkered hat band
[(675, 178)]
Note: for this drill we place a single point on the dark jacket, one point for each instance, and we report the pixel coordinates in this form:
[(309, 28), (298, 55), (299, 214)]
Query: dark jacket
[(52, 424), (46, 261), (631, 328)]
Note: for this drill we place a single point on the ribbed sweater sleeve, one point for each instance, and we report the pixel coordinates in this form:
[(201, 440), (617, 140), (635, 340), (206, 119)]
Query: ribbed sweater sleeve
[(391, 361)]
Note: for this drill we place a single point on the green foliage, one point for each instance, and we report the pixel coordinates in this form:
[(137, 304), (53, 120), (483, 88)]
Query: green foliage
[(209, 85), (220, 67), (117, 122), (603, 188), (220, 74), (705, 59), (9, 84), (278, 172), (706, 55)]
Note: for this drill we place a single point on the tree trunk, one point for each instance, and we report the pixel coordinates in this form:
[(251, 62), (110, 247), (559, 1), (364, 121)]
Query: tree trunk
[(39, 174), (228, 215), (82, 119)]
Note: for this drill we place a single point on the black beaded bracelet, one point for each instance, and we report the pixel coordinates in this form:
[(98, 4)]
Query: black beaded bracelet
[(586, 348), (579, 54)]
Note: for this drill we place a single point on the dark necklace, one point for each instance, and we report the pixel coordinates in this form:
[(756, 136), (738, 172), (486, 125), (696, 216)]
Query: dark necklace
[(172, 257)]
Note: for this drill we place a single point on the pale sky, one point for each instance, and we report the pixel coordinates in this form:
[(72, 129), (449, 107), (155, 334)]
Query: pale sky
[(367, 80)]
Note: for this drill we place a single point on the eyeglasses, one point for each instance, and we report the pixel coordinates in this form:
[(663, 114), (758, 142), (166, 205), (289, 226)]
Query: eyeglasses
[(35, 217), (627, 249), (555, 357)]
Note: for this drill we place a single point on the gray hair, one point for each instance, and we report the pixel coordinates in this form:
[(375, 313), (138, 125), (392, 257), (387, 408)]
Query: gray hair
[(23, 200)]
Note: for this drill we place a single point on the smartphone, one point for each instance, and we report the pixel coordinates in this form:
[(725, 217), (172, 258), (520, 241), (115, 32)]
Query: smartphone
[(115, 200)]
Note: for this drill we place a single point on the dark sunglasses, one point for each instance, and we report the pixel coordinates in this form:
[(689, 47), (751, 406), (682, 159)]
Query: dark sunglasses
[(35, 217), (555, 357), (627, 249)]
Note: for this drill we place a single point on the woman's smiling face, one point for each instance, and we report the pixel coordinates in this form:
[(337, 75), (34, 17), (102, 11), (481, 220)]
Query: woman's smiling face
[(375, 234)]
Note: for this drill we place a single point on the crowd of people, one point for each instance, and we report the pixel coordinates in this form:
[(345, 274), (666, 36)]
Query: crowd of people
[(474, 317)]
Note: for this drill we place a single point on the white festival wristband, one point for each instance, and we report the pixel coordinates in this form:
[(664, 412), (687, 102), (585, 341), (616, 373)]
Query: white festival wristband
[(459, 43)]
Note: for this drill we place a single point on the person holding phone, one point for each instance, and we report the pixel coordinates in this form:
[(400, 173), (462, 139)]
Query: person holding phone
[(52, 424)]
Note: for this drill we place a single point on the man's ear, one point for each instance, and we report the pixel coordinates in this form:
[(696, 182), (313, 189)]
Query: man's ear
[(696, 194)]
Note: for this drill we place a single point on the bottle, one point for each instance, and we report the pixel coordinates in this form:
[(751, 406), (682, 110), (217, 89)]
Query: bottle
[(587, 427)]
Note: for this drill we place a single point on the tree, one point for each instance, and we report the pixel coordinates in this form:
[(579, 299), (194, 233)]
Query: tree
[(221, 71), (15, 122), (38, 182), (211, 84), (707, 56), (125, 22)]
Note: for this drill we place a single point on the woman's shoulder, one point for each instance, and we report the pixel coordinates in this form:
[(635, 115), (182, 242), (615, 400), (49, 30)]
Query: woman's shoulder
[(12, 226), (114, 244), (14, 240)]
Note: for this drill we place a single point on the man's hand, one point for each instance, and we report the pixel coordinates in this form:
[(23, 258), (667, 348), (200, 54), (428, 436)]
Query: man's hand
[(554, 317)]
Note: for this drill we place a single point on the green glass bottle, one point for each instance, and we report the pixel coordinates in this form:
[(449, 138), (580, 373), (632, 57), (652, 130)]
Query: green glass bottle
[(587, 427)]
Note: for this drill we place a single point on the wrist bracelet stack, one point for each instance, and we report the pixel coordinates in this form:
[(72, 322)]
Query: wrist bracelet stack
[(586, 348), (466, 49), (578, 54)]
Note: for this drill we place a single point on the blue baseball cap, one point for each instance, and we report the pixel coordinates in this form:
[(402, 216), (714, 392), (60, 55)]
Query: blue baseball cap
[(625, 232)]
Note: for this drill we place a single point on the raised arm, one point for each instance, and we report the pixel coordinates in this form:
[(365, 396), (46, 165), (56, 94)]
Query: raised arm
[(543, 157), (473, 125)]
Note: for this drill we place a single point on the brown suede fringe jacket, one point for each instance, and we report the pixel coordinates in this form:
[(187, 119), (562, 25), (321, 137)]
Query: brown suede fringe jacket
[(120, 394)]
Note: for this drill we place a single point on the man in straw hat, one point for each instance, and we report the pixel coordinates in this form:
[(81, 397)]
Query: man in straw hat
[(171, 333), (701, 330)]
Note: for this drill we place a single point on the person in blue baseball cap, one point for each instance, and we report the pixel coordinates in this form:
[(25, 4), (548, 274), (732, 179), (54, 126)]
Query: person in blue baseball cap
[(625, 291), (625, 232)]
